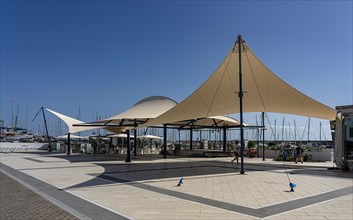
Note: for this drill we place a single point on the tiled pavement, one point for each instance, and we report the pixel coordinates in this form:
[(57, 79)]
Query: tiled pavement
[(212, 189), (19, 202)]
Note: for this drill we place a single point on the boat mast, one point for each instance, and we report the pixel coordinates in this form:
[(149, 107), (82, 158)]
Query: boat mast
[(27, 120), (309, 130), (295, 133), (12, 115), (16, 119), (283, 130), (320, 132), (275, 130), (289, 137)]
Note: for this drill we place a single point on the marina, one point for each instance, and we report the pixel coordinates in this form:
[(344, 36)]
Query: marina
[(176, 110)]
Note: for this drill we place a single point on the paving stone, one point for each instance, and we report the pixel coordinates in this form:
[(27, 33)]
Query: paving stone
[(19, 202), (146, 189)]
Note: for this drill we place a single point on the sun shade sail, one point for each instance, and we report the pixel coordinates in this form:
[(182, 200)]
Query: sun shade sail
[(72, 137), (210, 122), (73, 129), (263, 92), (142, 111)]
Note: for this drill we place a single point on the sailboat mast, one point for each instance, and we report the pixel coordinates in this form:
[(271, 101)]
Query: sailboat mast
[(289, 132), (16, 119), (283, 129), (12, 115), (309, 130), (27, 120), (320, 132), (275, 130), (295, 133)]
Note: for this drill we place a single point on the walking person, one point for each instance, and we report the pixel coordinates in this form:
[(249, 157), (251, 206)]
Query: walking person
[(236, 152), (299, 152)]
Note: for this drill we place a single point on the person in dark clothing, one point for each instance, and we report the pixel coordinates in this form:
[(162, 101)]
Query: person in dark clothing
[(299, 153), (236, 152)]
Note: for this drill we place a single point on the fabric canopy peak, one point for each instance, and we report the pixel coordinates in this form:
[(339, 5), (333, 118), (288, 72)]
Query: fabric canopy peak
[(263, 92), (71, 122)]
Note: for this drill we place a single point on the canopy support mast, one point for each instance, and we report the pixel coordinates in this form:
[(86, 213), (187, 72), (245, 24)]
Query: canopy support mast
[(263, 136), (240, 95), (46, 129)]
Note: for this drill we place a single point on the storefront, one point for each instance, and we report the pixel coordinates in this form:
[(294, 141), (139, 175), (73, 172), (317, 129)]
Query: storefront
[(344, 133)]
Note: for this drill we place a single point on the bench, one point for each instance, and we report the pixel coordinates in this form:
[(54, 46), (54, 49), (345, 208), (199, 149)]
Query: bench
[(217, 153)]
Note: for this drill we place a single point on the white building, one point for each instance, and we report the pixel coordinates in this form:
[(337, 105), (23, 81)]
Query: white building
[(344, 133)]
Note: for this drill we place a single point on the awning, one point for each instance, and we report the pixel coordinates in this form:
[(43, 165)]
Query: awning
[(72, 137), (148, 136), (144, 110), (74, 129), (210, 122), (263, 92), (120, 136)]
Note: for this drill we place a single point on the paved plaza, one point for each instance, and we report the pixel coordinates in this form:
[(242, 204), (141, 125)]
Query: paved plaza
[(105, 187)]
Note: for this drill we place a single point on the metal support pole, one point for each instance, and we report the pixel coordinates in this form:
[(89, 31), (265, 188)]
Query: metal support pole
[(165, 141), (200, 137), (240, 41), (68, 144), (179, 138), (224, 138), (135, 141), (135, 138), (263, 136), (46, 130), (128, 151), (190, 138)]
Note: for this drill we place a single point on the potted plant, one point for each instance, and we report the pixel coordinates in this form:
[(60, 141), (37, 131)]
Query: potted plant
[(345, 165), (252, 152)]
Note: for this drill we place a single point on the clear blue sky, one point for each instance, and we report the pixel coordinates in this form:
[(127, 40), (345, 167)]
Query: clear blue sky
[(105, 56)]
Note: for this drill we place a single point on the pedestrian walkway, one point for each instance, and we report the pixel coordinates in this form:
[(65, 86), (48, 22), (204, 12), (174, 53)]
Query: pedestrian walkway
[(212, 189), (19, 202)]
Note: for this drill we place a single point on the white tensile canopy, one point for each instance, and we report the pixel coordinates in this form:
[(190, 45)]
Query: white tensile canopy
[(72, 137), (210, 122), (74, 129), (120, 136), (151, 107), (263, 92), (148, 136), (142, 111)]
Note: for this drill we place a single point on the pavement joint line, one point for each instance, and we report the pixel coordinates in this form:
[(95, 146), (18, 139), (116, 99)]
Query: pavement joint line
[(255, 212), (49, 168), (322, 202), (33, 159), (60, 203), (127, 217), (304, 197), (306, 201), (59, 197), (48, 197)]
